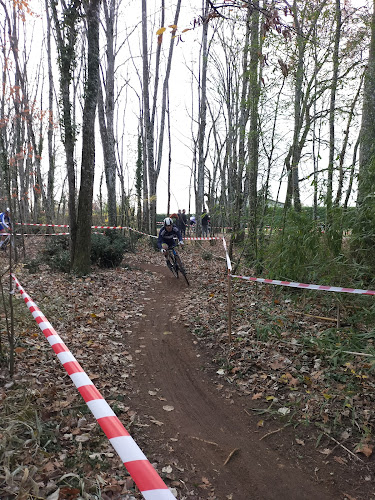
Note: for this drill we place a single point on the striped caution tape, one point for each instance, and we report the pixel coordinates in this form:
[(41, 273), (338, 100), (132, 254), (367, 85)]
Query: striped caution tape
[(324, 288), (203, 238), (229, 264), (112, 227), (40, 234), (92, 227), (143, 473), (41, 225)]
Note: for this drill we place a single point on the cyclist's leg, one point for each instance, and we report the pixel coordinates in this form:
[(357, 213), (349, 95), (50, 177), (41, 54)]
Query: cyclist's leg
[(2, 236), (172, 261)]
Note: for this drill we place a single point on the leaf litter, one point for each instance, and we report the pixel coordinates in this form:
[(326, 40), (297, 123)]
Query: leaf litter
[(292, 369)]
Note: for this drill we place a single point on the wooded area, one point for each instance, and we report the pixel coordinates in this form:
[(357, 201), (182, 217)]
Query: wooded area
[(264, 112), (281, 94)]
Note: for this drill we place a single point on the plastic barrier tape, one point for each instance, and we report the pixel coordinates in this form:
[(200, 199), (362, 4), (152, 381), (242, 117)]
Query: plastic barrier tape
[(108, 227), (229, 264), (143, 473), (324, 288)]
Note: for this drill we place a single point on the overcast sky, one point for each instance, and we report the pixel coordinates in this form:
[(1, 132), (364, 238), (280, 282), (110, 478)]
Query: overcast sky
[(181, 99)]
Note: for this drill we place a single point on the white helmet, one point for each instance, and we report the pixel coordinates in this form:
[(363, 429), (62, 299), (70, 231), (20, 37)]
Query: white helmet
[(8, 209), (168, 222)]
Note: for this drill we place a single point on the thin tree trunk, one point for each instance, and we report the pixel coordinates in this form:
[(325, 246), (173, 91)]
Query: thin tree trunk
[(81, 262)]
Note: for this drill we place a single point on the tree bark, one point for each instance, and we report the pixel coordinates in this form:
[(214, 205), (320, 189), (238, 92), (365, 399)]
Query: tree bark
[(106, 108), (81, 262)]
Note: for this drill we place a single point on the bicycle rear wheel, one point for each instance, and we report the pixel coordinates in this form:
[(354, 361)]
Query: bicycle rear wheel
[(181, 268)]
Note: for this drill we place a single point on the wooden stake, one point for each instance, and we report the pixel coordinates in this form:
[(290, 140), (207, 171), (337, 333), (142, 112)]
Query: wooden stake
[(229, 309)]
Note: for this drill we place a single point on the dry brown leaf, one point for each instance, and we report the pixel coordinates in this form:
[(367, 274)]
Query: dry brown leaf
[(365, 448)]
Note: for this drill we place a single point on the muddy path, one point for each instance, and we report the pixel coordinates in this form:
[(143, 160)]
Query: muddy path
[(204, 427)]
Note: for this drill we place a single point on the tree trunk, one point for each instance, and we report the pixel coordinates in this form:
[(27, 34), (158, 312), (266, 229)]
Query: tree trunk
[(367, 139), (199, 200), (106, 108), (66, 41), (81, 262)]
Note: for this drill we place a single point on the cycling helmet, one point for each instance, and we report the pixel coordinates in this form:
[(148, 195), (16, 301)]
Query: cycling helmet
[(168, 222)]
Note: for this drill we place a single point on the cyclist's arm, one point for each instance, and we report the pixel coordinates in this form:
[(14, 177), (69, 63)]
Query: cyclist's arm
[(160, 238)]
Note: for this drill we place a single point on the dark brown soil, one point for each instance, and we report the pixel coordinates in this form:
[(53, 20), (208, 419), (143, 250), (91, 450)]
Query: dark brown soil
[(215, 447)]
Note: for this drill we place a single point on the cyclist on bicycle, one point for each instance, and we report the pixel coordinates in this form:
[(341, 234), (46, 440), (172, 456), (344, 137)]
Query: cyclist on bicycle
[(167, 236), (5, 225)]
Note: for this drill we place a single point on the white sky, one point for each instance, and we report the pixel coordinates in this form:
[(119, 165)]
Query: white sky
[(180, 94)]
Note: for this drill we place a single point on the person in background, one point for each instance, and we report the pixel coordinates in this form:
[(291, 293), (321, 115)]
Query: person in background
[(179, 222), (5, 225), (205, 220), (184, 223), (192, 223)]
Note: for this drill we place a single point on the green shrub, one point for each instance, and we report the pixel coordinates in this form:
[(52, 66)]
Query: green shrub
[(292, 252), (33, 265), (56, 253), (206, 255), (108, 250)]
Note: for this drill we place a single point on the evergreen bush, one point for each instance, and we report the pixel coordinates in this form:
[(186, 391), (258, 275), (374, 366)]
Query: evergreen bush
[(108, 250)]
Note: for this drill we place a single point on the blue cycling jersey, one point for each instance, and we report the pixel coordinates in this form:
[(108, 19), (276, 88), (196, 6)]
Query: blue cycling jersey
[(168, 237), (4, 221)]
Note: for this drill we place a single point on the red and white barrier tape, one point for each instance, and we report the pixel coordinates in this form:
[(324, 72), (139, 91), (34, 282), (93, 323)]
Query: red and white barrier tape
[(229, 264), (324, 288), (203, 238), (143, 473), (109, 227), (41, 225)]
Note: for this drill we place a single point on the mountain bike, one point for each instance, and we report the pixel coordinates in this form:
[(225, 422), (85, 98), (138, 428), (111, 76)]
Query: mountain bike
[(174, 263), (6, 242)]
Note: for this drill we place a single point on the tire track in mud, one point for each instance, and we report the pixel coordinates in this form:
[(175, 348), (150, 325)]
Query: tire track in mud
[(208, 421)]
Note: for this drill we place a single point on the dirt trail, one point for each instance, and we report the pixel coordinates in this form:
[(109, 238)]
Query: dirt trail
[(209, 420)]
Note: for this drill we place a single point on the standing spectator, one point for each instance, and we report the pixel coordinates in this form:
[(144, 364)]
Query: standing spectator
[(205, 220), (179, 223), (184, 223), (193, 223)]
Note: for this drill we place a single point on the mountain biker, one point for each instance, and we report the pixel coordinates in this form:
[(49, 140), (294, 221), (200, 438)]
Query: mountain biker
[(5, 225), (167, 236)]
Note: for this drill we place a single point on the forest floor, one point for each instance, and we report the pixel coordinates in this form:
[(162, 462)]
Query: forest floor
[(280, 412)]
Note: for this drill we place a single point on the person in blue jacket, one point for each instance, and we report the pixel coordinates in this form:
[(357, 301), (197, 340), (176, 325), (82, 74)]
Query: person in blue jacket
[(5, 225), (167, 235)]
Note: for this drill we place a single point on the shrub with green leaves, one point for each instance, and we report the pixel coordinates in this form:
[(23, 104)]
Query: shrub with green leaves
[(56, 254), (108, 250), (292, 252)]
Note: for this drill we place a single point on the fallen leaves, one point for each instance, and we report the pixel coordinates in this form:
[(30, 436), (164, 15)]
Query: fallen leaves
[(365, 448), (168, 408)]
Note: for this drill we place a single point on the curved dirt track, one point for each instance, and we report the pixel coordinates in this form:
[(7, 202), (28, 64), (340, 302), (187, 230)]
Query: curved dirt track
[(208, 420)]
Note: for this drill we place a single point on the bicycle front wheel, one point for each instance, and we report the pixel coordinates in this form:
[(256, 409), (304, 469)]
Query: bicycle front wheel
[(171, 263), (181, 268)]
